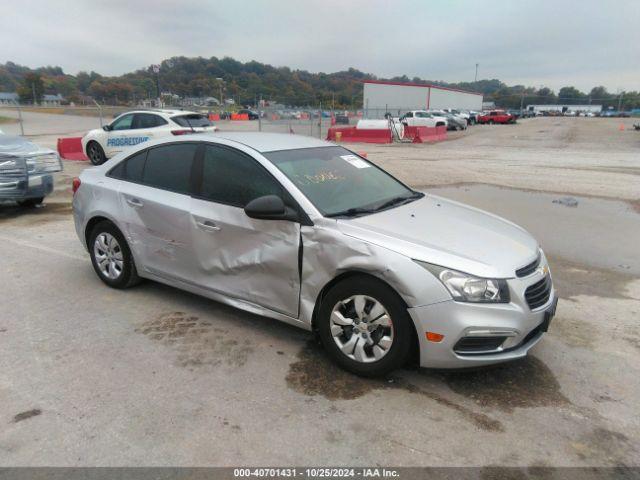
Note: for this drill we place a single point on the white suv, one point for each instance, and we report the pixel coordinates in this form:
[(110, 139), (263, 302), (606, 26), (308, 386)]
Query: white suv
[(133, 128), (422, 118)]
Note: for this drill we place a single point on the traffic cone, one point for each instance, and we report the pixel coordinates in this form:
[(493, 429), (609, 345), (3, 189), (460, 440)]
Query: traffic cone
[(621, 127)]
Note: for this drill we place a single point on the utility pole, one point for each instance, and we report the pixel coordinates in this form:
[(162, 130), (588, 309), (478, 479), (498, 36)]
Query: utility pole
[(620, 101), (476, 78), (521, 102), (260, 115), (33, 90)]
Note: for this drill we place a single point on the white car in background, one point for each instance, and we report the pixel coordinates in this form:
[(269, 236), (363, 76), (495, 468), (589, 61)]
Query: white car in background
[(136, 127), (458, 113), (422, 118)]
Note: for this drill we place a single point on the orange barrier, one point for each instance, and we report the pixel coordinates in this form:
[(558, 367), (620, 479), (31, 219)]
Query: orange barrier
[(425, 134), (352, 134), (71, 149), (239, 116), (214, 117)]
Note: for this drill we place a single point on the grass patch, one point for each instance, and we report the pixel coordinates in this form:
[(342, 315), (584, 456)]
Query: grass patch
[(4, 120)]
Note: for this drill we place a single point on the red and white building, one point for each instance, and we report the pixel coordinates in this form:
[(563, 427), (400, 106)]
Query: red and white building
[(396, 98)]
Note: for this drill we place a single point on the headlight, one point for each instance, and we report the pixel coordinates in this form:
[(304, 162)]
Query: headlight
[(468, 288), (47, 163)]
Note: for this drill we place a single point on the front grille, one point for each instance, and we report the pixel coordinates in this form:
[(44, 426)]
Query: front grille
[(528, 269), (12, 167), (538, 294), (471, 345)]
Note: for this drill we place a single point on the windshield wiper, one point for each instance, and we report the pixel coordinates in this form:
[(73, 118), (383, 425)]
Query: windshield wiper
[(353, 212)]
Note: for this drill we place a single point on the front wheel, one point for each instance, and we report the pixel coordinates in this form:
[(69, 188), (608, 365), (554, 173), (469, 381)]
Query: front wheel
[(365, 327), (96, 153)]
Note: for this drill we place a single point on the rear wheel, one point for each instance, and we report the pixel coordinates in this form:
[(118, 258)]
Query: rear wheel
[(111, 257), (96, 153), (365, 327), (30, 202)]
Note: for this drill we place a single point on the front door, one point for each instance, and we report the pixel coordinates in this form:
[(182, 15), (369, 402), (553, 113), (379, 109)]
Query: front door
[(244, 258)]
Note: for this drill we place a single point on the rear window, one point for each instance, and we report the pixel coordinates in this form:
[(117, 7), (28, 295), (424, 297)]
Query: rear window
[(192, 120)]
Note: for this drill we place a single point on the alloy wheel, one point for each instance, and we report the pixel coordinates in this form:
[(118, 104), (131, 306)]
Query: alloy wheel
[(108, 255)]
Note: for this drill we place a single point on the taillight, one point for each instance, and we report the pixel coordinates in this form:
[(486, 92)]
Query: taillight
[(75, 185), (181, 132)]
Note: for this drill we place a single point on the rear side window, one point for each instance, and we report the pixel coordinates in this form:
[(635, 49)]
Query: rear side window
[(192, 121), (234, 178), (148, 120), (169, 167), (131, 169)]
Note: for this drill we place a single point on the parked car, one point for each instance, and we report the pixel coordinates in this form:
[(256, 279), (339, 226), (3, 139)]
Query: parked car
[(422, 118), (454, 122), (132, 128), (252, 114), (312, 234), (496, 116), (26, 170), (461, 114)]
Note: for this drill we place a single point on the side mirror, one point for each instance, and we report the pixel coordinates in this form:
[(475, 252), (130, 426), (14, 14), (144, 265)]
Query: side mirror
[(270, 207), (107, 128)]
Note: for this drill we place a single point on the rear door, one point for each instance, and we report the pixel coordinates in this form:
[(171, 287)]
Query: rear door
[(148, 126), (156, 200), (244, 258)]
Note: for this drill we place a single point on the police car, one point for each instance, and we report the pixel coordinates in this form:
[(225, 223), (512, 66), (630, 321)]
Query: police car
[(133, 128)]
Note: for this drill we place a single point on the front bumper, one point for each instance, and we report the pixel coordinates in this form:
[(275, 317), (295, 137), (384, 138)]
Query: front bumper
[(32, 186), (457, 320)]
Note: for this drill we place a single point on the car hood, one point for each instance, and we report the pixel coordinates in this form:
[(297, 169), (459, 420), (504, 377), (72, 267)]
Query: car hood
[(17, 146), (450, 234)]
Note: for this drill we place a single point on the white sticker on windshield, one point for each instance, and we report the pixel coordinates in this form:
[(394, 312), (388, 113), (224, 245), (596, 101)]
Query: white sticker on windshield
[(355, 161)]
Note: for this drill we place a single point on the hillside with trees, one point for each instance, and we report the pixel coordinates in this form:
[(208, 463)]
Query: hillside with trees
[(245, 82)]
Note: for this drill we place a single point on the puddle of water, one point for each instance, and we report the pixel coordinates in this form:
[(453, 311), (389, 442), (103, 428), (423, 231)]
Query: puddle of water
[(599, 233), (524, 384), (196, 342)]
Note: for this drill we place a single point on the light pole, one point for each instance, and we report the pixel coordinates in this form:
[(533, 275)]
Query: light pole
[(221, 80), (476, 78)]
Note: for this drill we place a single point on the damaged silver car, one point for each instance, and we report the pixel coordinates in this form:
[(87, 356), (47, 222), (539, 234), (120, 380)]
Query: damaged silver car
[(26, 170), (307, 232)]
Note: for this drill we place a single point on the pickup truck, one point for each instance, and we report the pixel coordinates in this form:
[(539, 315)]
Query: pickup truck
[(422, 118), (26, 171), (495, 116)]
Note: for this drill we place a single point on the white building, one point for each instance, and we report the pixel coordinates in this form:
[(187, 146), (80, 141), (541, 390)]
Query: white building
[(396, 98)]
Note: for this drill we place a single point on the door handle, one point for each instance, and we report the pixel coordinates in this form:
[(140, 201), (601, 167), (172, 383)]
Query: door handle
[(134, 202), (207, 225)]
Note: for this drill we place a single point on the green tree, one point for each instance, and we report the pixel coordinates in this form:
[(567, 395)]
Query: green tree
[(31, 84)]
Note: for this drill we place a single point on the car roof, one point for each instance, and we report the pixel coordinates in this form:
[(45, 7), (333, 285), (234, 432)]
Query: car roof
[(270, 142), (162, 111)]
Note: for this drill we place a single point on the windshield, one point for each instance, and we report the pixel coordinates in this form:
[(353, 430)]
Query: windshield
[(340, 183), (193, 120)]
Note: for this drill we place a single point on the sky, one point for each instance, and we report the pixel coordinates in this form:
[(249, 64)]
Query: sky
[(580, 43)]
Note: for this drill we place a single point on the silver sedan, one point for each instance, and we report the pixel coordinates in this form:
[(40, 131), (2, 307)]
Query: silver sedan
[(310, 233)]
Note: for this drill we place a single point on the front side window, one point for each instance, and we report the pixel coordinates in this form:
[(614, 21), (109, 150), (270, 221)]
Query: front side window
[(338, 182), (169, 167), (123, 123), (233, 178)]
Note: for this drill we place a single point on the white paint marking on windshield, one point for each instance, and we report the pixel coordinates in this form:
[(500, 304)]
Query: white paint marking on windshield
[(355, 161)]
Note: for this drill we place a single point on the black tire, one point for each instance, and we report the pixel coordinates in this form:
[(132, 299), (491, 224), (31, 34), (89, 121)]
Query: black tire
[(129, 274), (402, 325), (31, 202), (95, 153)]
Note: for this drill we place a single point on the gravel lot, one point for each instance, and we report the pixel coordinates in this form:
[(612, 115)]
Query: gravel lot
[(155, 376)]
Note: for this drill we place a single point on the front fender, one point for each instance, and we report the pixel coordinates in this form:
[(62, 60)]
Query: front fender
[(328, 253)]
